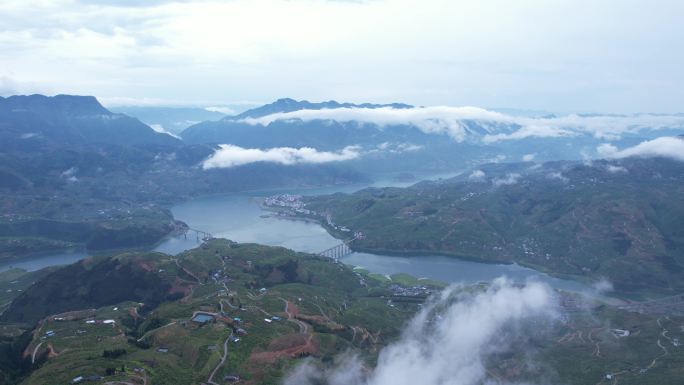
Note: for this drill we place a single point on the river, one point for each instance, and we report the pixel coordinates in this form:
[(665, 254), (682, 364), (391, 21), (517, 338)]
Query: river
[(238, 217)]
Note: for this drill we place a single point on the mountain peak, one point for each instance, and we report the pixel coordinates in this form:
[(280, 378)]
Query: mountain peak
[(289, 105), (72, 120), (75, 105)]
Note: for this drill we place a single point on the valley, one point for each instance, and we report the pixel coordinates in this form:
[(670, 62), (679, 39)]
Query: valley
[(152, 291), (347, 192)]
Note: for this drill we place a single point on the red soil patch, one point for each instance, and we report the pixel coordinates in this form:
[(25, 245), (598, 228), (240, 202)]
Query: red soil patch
[(52, 352), (293, 309), (147, 266), (320, 320), (290, 346), (181, 286)]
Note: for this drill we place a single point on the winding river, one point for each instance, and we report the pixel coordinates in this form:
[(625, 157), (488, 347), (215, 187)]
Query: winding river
[(238, 217)]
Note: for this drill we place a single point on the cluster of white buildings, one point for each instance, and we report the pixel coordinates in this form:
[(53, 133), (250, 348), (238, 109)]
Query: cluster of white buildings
[(285, 200)]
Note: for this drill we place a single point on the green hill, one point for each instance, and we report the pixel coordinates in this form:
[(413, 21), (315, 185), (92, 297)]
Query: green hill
[(620, 220), (132, 318)]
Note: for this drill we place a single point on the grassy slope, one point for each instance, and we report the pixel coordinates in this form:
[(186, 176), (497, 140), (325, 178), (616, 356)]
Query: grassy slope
[(586, 222), (309, 282), (359, 319)]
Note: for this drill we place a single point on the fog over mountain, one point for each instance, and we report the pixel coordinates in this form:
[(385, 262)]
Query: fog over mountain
[(231, 156), (341, 192), (494, 126), (666, 146), (399, 137), (450, 341), (172, 119)]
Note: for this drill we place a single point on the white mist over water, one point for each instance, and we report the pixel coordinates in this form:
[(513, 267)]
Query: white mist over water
[(448, 342)]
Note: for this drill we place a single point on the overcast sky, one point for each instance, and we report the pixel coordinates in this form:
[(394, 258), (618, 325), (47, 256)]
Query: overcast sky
[(562, 56)]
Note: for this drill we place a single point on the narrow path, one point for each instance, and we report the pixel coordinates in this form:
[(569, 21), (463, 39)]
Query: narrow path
[(322, 312), (4, 307), (35, 351), (135, 313), (154, 330), (260, 309), (230, 305), (665, 331), (190, 273), (597, 343), (223, 360), (303, 327), (655, 360), (660, 345)]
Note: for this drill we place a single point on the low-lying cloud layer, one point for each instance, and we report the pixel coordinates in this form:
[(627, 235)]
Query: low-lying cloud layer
[(509, 179), (160, 129), (230, 156), (493, 126), (448, 342), (666, 146)]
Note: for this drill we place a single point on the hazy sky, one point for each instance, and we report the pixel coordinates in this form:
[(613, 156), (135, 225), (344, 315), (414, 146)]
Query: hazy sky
[(574, 55)]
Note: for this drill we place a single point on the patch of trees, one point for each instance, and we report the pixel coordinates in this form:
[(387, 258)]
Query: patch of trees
[(87, 285), (114, 353)]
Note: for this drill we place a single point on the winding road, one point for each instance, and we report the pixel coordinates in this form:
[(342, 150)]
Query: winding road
[(35, 351), (154, 330), (303, 326), (223, 360)]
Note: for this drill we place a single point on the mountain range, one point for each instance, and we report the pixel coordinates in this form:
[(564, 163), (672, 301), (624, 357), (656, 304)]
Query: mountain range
[(394, 138)]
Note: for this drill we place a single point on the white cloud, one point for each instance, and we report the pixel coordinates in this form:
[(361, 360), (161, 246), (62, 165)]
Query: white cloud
[(160, 129), (396, 148), (615, 169), (230, 156), (497, 159), (533, 130), (606, 150), (476, 175), (603, 286), (408, 147), (557, 175), (109, 49), (448, 341), (222, 109), (490, 127), (70, 174), (509, 179), (666, 146), (431, 120), (528, 157)]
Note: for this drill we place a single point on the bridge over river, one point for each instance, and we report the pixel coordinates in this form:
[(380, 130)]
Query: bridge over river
[(336, 252), (200, 235)]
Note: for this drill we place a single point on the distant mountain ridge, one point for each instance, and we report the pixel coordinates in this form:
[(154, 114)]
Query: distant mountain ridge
[(60, 104), (68, 120), (290, 105), (320, 134), (172, 119)]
